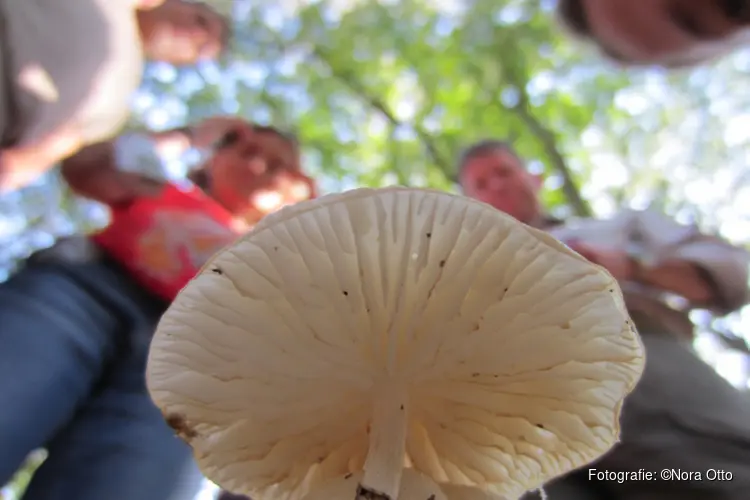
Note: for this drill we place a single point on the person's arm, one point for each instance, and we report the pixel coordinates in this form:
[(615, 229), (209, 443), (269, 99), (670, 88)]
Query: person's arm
[(668, 256), (686, 279), (115, 172), (203, 135), (21, 165), (706, 270)]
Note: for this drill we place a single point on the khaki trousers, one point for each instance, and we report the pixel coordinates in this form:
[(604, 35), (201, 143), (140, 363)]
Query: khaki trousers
[(682, 417)]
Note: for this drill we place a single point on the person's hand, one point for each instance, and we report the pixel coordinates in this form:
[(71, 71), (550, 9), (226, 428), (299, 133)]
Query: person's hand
[(618, 263), (210, 131), (93, 174), (21, 167), (17, 169)]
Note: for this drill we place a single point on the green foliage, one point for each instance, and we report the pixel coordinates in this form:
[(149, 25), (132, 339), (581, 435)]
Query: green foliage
[(391, 91), (20, 482)]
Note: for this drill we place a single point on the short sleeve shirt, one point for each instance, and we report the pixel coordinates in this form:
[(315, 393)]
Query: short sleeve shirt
[(86, 58), (163, 241)]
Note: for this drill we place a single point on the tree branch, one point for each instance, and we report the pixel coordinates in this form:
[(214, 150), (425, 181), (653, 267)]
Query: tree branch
[(356, 87), (546, 137), (549, 143)]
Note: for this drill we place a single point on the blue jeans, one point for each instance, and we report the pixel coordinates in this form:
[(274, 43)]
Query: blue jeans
[(74, 336)]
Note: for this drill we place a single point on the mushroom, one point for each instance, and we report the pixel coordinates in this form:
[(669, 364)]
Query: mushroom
[(394, 343)]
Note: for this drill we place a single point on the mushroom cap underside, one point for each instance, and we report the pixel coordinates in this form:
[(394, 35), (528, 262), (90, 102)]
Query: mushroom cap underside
[(510, 352)]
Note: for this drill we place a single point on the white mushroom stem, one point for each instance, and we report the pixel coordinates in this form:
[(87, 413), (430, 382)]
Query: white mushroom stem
[(385, 458)]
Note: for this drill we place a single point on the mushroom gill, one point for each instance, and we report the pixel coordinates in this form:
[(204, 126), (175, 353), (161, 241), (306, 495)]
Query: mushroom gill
[(395, 344)]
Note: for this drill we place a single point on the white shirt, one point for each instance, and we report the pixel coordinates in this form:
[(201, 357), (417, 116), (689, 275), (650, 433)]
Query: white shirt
[(88, 57), (656, 238)]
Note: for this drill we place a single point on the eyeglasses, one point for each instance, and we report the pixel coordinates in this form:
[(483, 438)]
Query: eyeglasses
[(232, 137)]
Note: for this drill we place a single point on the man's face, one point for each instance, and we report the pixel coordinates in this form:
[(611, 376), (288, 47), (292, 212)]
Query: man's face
[(671, 33), (499, 179), (257, 172), (182, 33)]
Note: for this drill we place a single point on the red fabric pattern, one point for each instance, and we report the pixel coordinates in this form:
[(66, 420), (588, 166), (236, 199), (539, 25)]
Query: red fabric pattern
[(164, 241)]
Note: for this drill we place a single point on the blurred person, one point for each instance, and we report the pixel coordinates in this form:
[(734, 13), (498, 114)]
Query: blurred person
[(76, 320), (682, 415), (670, 33), (68, 69)]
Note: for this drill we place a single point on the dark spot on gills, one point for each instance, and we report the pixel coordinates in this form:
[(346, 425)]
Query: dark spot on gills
[(180, 426), (364, 493)]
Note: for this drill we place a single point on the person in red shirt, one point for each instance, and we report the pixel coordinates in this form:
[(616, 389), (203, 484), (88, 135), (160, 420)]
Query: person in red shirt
[(164, 232), (77, 318)]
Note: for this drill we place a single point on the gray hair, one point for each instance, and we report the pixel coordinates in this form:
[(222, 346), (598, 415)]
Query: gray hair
[(482, 148)]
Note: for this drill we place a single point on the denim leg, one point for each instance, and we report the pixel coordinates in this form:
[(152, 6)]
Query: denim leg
[(118, 447), (55, 341)]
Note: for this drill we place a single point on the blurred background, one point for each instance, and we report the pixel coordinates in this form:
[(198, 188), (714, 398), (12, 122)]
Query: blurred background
[(388, 92)]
